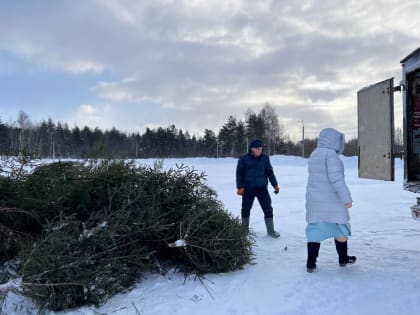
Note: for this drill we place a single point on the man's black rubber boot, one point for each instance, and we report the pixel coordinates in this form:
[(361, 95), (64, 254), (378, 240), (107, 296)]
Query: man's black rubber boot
[(245, 222), (269, 223)]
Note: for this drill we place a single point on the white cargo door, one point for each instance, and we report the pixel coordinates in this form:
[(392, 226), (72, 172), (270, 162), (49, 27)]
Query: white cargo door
[(375, 112)]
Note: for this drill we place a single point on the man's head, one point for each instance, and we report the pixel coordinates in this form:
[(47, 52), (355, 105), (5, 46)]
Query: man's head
[(256, 147)]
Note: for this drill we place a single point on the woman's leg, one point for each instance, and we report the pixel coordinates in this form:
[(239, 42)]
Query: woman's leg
[(341, 247), (313, 250)]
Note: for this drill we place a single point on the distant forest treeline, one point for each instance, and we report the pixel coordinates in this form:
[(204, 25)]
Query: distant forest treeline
[(49, 139)]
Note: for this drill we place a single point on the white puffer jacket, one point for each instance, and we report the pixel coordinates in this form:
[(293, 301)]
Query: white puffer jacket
[(326, 190)]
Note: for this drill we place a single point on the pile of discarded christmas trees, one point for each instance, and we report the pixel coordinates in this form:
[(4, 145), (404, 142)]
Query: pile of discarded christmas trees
[(80, 232)]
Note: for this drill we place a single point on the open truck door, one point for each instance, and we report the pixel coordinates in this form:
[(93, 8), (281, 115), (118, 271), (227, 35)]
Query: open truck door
[(375, 114)]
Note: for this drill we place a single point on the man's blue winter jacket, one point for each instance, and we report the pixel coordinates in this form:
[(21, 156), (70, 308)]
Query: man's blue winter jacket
[(253, 172)]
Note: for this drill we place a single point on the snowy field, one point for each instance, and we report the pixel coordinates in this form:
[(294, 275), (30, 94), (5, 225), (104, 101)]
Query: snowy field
[(386, 241)]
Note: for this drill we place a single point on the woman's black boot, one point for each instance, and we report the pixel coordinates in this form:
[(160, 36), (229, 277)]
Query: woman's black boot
[(313, 250), (343, 258)]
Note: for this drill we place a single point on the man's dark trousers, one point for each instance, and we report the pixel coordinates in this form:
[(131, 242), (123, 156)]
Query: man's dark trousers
[(263, 198)]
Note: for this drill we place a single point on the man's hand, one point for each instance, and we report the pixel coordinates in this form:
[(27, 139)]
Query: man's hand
[(348, 205), (240, 191), (276, 189)]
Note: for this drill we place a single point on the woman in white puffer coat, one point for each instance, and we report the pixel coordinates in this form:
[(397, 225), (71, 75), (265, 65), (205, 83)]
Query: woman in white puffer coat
[(327, 199)]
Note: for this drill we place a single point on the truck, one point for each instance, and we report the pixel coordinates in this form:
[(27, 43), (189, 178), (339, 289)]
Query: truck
[(375, 116)]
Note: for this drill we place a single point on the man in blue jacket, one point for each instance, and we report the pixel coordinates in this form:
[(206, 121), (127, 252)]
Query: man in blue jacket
[(252, 174)]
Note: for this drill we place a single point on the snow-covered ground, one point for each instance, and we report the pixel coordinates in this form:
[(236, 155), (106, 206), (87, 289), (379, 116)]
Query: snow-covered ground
[(386, 241)]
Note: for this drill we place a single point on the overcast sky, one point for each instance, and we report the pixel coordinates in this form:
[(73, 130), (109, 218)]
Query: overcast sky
[(132, 64)]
